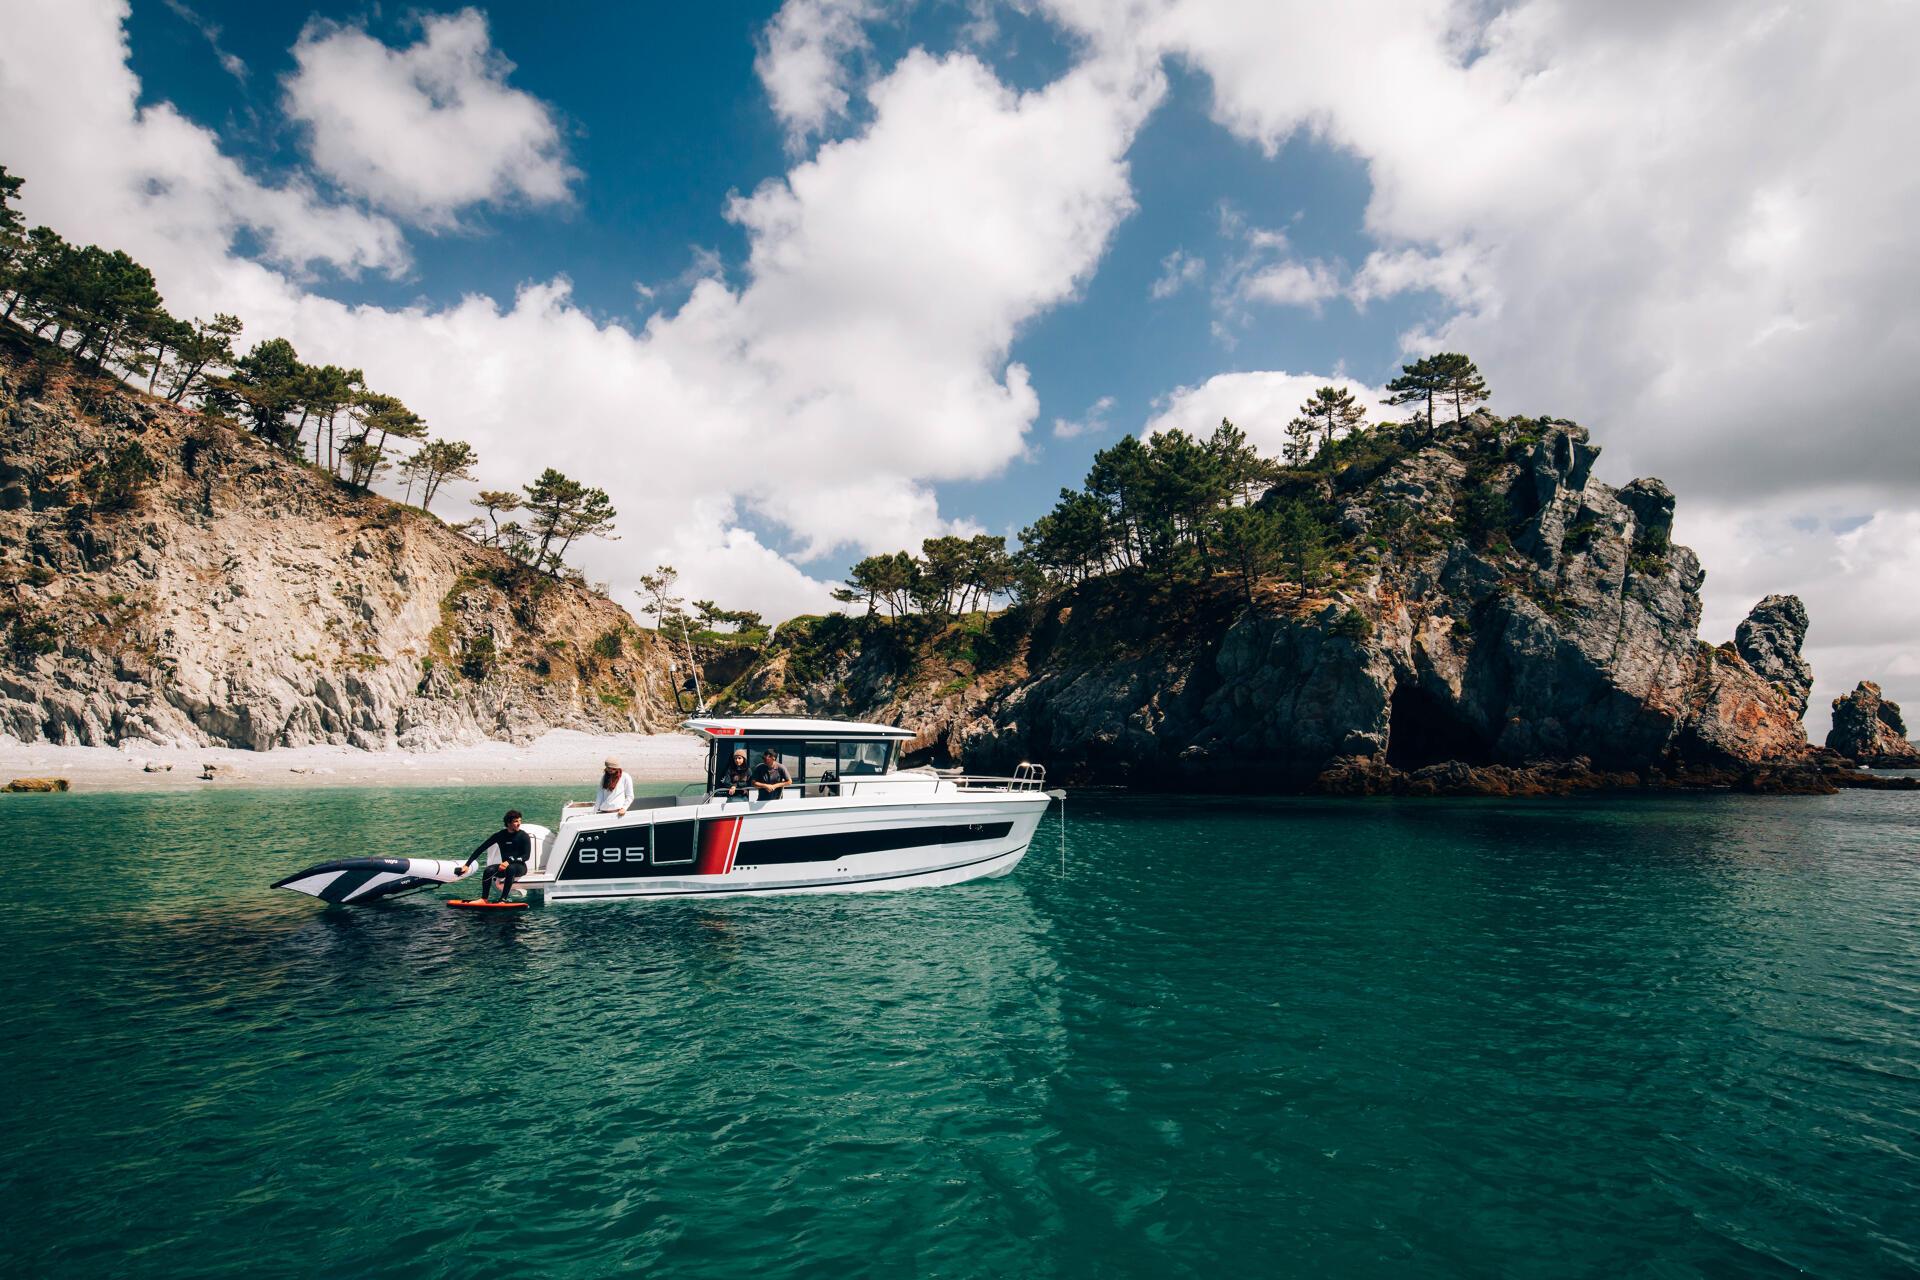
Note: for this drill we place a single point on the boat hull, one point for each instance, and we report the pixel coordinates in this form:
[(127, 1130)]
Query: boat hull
[(758, 850)]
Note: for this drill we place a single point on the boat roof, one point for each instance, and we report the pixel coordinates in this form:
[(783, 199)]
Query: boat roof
[(711, 727)]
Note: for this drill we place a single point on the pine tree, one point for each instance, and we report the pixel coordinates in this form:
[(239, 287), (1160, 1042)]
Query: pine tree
[(1299, 447), (496, 503), (441, 461), (1418, 382), (269, 379), (1250, 545), (1460, 381), (561, 511), (208, 346), (1302, 541), (13, 233)]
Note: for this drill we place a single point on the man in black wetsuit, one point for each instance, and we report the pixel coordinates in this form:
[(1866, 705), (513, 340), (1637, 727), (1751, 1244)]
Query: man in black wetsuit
[(515, 845), (735, 779)]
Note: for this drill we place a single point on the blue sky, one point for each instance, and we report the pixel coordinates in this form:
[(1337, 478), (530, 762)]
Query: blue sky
[(665, 117), (800, 281)]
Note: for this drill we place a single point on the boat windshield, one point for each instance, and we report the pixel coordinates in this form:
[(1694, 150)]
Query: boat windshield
[(813, 766)]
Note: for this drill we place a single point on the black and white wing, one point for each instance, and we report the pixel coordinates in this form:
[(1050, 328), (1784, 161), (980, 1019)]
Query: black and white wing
[(365, 879)]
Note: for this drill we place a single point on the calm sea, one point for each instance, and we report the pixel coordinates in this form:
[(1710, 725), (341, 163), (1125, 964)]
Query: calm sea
[(1672, 1037)]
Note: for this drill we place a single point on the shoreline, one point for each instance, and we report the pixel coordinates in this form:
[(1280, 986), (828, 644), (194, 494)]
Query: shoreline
[(568, 757), (557, 758)]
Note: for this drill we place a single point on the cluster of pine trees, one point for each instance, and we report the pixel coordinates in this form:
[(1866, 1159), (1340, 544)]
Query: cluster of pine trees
[(951, 576), (1174, 508), (102, 310)]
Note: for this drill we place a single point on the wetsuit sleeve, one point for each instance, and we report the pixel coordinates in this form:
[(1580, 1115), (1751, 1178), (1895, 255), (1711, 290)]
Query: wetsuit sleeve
[(493, 839)]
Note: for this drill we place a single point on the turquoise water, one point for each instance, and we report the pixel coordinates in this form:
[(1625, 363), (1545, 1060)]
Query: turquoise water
[(1677, 1037)]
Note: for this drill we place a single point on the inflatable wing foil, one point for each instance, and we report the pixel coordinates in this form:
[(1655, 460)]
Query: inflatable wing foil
[(365, 879)]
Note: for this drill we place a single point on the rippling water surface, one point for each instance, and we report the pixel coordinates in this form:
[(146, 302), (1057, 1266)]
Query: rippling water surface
[(1673, 1037)]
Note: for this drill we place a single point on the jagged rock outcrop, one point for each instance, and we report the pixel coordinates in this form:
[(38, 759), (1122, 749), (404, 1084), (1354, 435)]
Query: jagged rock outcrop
[(1868, 730), (1566, 632), (1501, 623), (1769, 641), (167, 578)]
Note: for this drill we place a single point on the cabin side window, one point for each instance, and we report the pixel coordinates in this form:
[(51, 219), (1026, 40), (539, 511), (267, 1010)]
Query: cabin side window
[(864, 759), (822, 768)]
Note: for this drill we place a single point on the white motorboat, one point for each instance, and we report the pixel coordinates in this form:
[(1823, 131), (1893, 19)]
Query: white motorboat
[(851, 821)]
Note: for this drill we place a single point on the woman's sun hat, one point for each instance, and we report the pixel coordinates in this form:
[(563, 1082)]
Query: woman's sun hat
[(612, 762)]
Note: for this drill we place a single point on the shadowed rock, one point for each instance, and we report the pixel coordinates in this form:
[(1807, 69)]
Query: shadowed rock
[(1769, 640), (1868, 730)]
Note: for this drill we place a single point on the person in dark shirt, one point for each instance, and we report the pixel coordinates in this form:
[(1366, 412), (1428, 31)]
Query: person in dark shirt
[(515, 846), (735, 779), (770, 777)]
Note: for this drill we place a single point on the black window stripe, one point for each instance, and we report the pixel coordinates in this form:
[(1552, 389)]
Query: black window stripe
[(826, 848)]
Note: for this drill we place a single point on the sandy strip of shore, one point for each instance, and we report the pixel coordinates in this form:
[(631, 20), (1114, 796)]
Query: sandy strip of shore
[(561, 757)]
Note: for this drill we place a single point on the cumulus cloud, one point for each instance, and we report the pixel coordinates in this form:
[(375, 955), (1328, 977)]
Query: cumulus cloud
[(1261, 403), (822, 397), (1654, 218), (1091, 423), (1293, 284), (102, 168), (804, 62), (427, 130)]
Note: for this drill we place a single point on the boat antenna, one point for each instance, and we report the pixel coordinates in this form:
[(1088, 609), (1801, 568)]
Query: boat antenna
[(700, 707)]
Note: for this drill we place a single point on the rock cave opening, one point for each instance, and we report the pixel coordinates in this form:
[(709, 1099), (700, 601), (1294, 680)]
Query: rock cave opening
[(1423, 730)]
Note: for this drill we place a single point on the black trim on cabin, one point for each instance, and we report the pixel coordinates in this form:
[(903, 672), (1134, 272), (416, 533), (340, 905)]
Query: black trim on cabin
[(834, 845)]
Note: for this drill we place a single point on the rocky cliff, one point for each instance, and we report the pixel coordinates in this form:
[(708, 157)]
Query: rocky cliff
[(1493, 608), (167, 578), (1868, 730)]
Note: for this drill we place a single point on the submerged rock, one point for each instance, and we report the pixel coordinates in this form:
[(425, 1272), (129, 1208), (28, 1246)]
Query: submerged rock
[(1868, 730)]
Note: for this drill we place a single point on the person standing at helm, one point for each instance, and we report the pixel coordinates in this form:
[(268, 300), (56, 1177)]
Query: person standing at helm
[(616, 789)]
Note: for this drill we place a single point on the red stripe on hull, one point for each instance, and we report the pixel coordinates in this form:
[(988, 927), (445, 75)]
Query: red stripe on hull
[(719, 841)]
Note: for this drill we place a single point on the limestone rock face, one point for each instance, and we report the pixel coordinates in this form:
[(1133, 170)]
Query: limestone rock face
[(1550, 647), (1769, 640), (1868, 730), (237, 597), (1504, 623), (1566, 634)]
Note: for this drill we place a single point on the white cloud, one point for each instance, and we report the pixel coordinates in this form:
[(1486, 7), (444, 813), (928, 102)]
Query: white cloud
[(1655, 218), (1260, 271), (1178, 270), (1293, 284), (1260, 403), (1091, 423), (427, 130), (803, 62), (103, 169), (825, 395)]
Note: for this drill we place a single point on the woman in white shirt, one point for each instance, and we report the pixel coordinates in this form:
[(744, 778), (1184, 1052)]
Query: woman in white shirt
[(616, 789)]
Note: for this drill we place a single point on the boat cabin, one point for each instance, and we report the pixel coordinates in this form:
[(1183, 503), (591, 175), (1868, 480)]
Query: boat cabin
[(817, 754)]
